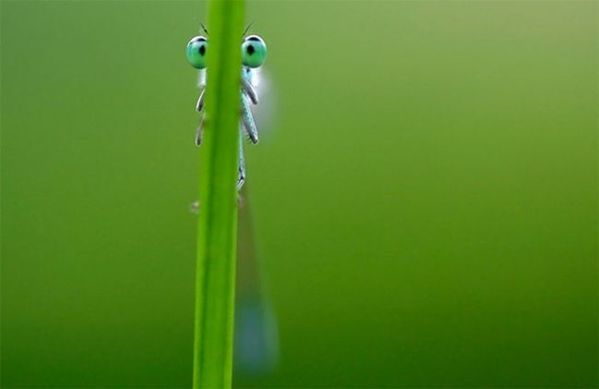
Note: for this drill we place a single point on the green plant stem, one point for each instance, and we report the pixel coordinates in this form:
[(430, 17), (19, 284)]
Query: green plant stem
[(217, 230)]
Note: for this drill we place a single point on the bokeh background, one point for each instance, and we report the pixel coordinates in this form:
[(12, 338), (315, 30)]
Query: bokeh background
[(424, 196)]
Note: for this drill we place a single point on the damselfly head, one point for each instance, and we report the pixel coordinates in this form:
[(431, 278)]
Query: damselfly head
[(253, 51), (196, 51)]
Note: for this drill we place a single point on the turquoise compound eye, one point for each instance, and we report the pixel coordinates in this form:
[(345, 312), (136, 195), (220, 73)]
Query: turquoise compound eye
[(253, 51), (196, 52)]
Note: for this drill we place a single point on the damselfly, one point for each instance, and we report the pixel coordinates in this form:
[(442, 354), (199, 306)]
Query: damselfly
[(253, 55), (256, 330)]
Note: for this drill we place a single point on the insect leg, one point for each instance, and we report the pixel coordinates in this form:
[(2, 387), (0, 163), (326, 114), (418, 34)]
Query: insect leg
[(241, 168), (200, 103), (249, 90), (248, 119), (200, 131)]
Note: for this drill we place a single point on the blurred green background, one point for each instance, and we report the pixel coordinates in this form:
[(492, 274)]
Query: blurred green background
[(424, 195)]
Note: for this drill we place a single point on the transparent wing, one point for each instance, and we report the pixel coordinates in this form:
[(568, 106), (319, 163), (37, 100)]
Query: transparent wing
[(256, 335), (265, 111)]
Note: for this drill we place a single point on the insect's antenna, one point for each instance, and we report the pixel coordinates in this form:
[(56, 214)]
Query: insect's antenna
[(246, 29), (204, 28)]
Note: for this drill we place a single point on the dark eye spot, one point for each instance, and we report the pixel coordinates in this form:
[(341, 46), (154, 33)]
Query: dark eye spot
[(202, 50), (250, 49)]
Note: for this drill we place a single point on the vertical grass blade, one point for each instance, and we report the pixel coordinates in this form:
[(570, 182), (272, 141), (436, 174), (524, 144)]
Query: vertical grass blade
[(217, 230)]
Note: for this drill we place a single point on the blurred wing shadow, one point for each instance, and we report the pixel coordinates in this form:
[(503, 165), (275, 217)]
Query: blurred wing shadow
[(256, 336)]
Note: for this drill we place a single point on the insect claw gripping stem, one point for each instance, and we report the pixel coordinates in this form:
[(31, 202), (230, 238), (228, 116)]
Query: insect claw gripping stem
[(241, 164), (194, 207), (240, 180), (200, 131)]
